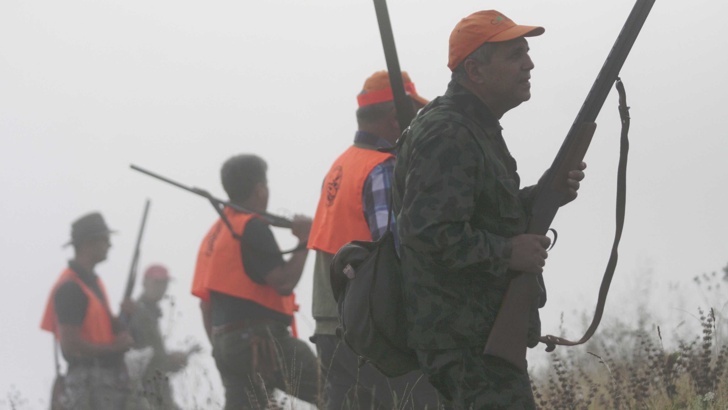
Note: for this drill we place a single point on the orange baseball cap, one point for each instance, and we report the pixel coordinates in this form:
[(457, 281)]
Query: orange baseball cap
[(378, 90), (487, 26)]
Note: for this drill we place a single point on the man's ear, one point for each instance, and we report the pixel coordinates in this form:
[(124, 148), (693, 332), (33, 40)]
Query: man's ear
[(261, 190), (472, 70)]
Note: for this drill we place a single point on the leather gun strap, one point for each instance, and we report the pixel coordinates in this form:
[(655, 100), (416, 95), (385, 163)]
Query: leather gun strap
[(552, 341)]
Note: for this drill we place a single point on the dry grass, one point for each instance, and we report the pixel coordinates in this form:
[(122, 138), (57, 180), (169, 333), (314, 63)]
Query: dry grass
[(631, 369), (624, 368)]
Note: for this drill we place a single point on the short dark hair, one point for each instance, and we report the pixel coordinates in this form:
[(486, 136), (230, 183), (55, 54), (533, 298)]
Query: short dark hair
[(373, 112), (481, 54), (240, 174)]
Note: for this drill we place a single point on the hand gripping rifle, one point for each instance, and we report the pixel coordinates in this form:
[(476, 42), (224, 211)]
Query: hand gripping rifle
[(507, 338), (131, 279), (219, 205)]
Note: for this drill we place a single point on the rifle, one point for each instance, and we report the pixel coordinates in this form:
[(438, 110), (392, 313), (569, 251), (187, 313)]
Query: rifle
[(59, 383), (131, 279), (402, 103), (507, 339), (218, 204)]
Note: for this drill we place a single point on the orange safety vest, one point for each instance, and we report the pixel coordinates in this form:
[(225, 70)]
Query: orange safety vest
[(220, 268), (96, 327), (340, 214)]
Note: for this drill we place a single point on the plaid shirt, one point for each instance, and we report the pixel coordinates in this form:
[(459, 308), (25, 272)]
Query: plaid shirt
[(377, 187)]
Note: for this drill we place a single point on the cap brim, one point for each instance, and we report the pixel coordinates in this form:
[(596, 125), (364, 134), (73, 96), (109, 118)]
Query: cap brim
[(166, 279), (517, 32), (107, 232)]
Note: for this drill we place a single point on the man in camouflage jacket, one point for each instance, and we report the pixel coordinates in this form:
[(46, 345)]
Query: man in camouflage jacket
[(461, 216)]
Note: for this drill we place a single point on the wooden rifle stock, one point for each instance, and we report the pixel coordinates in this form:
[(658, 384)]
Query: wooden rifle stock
[(508, 337)]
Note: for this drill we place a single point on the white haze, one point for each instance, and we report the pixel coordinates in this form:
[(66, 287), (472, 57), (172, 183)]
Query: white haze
[(89, 87)]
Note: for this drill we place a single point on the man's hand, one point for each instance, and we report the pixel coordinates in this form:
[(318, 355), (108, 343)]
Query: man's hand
[(195, 348), (301, 227), (573, 180), (122, 342), (528, 252), (177, 361), (127, 307)]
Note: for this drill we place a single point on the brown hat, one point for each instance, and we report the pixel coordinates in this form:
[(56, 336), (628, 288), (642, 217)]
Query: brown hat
[(89, 226), (378, 90), (487, 26)]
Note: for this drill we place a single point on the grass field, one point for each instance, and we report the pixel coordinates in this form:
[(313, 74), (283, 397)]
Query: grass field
[(623, 367)]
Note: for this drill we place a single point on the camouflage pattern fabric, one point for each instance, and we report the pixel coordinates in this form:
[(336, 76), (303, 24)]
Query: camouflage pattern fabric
[(458, 200), (91, 387), (473, 380)]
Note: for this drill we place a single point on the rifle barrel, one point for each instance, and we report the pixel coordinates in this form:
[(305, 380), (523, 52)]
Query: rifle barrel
[(131, 280), (167, 180), (274, 220), (607, 75), (405, 109)]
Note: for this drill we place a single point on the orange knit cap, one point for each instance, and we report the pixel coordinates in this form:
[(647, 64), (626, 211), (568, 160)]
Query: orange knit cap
[(378, 90), (487, 26)]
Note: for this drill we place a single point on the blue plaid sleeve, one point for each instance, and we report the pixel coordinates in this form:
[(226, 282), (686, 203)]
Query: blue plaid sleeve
[(376, 198)]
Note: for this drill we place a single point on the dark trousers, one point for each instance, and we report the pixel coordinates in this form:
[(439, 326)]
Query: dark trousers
[(255, 360), (351, 387), (472, 380)]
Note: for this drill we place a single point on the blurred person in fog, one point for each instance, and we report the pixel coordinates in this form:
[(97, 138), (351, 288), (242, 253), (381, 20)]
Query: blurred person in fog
[(91, 338), (156, 390)]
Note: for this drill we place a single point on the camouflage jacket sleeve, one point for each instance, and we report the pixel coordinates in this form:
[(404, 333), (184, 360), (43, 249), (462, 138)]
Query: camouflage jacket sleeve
[(448, 202)]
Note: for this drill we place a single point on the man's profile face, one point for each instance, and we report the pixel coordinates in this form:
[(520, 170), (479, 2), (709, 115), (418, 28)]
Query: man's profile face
[(155, 288), (507, 76), (264, 194), (100, 247)]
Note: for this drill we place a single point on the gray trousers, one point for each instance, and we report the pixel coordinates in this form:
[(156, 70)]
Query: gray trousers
[(92, 387)]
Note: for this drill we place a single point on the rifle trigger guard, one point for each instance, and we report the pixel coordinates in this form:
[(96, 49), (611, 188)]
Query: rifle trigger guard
[(549, 342), (556, 236)]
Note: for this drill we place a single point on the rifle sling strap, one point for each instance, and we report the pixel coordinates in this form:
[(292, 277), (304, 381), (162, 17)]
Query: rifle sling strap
[(223, 217), (552, 341)]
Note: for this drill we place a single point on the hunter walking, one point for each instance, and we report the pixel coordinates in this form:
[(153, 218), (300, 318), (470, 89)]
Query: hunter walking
[(246, 292), (461, 216), (79, 316), (154, 387), (355, 205)]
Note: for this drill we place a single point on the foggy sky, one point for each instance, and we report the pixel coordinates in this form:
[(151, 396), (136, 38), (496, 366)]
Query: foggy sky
[(89, 87)]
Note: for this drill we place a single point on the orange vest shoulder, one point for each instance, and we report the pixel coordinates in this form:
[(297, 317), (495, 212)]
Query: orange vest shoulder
[(220, 268), (339, 216), (96, 327)]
